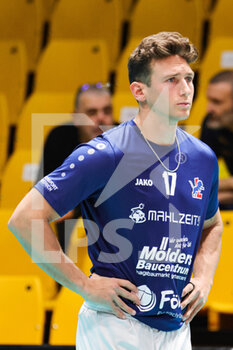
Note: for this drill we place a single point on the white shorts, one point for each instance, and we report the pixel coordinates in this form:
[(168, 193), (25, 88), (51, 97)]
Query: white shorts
[(98, 330)]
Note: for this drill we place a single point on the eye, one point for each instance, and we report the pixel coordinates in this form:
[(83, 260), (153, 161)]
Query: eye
[(91, 112), (189, 79), (171, 80)]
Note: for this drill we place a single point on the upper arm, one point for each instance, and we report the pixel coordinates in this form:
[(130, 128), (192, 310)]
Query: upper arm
[(213, 221), (32, 206)]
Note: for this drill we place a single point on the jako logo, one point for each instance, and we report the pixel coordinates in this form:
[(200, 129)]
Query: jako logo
[(197, 187), (137, 215), (143, 182), (147, 298)]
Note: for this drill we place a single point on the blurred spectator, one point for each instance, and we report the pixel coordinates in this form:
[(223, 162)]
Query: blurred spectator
[(92, 115), (93, 101), (217, 129)]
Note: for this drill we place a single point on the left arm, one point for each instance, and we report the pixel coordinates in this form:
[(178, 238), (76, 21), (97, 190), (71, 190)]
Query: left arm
[(225, 191), (204, 267)]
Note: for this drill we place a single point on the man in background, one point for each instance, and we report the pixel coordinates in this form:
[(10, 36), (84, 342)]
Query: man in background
[(92, 115), (217, 129)]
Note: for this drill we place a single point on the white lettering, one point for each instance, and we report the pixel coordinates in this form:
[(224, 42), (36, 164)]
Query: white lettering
[(165, 298)]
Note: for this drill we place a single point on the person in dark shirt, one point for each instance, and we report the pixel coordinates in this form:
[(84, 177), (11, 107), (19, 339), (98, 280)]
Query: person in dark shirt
[(92, 115), (93, 107), (217, 129)]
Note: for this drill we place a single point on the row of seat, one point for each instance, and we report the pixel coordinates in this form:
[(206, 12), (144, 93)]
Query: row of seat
[(28, 287), (85, 61), (41, 113), (23, 20), (74, 20), (218, 57), (27, 292)]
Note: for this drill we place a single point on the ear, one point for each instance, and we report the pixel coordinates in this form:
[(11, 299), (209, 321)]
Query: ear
[(137, 90)]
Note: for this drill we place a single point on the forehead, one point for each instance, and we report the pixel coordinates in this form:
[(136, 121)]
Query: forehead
[(221, 90), (94, 99), (170, 65)]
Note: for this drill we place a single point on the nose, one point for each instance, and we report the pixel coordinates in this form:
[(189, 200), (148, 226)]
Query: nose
[(99, 117), (185, 89), (210, 108)]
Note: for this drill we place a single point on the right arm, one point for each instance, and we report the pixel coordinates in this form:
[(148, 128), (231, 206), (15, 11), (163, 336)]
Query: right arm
[(30, 219)]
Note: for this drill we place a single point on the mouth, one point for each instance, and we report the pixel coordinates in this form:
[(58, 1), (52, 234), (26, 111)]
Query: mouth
[(184, 105)]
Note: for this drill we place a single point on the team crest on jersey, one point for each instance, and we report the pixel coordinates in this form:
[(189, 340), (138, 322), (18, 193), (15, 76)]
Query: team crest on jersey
[(197, 188), (137, 215)]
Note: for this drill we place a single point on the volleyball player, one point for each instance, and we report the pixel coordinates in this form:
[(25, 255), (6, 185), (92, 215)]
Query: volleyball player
[(148, 192)]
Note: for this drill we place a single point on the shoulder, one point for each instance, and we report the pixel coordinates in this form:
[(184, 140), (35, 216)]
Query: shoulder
[(194, 146), (97, 152)]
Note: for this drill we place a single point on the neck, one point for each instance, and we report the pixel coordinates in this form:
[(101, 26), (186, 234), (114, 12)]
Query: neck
[(158, 129)]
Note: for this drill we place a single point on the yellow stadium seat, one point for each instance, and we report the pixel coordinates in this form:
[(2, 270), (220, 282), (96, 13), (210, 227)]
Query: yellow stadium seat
[(13, 75), (77, 248), (150, 17), (14, 260), (23, 20), (221, 19), (4, 130), (18, 178), (125, 107), (122, 81), (66, 64), (208, 6), (221, 295), (22, 313), (48, 7), (65, 314), (127, 7), (65, 318), (50, 109), (219, 56), (89, 19), (223, 170)]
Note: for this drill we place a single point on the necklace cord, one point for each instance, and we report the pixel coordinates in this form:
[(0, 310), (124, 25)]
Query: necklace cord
[(157, 156)]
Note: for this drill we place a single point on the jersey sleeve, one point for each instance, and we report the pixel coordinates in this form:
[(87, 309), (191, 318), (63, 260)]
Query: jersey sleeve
[(85, 171), (213, 198)]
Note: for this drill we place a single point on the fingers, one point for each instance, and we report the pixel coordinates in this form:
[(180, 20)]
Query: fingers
[(192, 313), (126, 284), (111, 291), (119, 302), (127, 290), (194, 302), (187, 290), (122, 292)]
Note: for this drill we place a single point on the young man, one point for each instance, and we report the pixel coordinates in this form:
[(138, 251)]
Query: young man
[(148, 192), (217, 129)]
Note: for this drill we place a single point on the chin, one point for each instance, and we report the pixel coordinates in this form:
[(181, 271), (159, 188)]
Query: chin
[(179, 118)]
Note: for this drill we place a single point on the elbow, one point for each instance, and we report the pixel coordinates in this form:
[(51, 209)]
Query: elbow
[(18, 223), (13, 223)]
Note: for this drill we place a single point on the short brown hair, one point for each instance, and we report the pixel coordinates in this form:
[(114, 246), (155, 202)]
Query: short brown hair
[(225, 76), (158, 46)]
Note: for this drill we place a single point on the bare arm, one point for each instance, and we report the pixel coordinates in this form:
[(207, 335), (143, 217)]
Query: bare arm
[(225, 191), (205, 264), (30, 225)]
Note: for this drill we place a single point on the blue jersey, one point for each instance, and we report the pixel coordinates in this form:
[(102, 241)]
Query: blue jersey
[(143, 221)]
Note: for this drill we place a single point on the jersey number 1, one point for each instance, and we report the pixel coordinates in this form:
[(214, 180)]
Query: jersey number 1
[(170, 182)]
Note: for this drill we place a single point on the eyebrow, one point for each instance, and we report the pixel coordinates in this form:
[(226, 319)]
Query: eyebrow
[(190, 74)]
